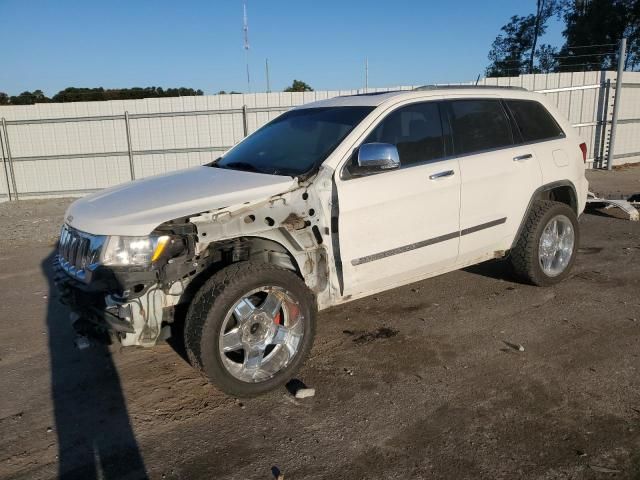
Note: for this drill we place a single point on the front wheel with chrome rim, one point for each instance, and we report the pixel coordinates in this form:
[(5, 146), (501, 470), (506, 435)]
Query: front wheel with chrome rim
[(546, 248), (250, 327)]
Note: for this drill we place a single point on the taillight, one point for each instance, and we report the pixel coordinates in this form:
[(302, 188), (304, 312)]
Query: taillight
[(583, 147)]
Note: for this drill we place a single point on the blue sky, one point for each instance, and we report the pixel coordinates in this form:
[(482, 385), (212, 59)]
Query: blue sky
[(115, 44)]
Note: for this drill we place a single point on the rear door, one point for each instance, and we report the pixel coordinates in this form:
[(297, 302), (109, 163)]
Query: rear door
[(498, 176), (400, 225), (538, 128)]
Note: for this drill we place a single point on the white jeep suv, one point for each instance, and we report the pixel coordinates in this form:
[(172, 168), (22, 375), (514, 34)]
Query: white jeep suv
[(329, 202)]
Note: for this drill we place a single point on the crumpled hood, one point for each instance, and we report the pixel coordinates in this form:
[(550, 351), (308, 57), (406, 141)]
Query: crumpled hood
[(137, 207)]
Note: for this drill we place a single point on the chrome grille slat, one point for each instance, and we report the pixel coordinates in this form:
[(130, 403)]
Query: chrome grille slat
[(78, 252), (82, 253)]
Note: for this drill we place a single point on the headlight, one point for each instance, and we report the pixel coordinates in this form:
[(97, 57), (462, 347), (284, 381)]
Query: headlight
[(133, 250)]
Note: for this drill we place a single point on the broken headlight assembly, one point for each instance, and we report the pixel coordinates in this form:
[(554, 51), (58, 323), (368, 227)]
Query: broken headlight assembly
[(138, 251)]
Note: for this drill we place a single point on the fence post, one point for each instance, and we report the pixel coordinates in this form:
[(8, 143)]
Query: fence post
[(245, 123), (129, 149), (616, 102), (4, 167), (12, 174), (603, 122)]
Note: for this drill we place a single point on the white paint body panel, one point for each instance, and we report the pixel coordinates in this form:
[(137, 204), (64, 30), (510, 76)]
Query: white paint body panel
[(395, 209), (136, 208), (495, 187), (376, 214), (383, 212)]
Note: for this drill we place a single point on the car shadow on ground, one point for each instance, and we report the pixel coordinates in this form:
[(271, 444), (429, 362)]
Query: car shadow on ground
[(95, 435), (499, 269)]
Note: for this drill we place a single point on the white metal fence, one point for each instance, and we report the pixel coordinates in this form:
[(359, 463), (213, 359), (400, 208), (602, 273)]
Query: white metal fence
[(74, 148)]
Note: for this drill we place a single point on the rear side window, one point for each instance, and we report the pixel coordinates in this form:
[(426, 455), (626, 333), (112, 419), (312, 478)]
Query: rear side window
[(479, 125), (416, 130), (534, 121)]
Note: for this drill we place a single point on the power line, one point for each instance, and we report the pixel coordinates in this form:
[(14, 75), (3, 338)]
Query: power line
[(586, 55), (591, 46), (578, 64), (557, 57)]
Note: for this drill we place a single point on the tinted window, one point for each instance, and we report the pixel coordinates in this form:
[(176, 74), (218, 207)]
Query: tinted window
[(294, 143), (479, 125), (415, 130), (534, 121)]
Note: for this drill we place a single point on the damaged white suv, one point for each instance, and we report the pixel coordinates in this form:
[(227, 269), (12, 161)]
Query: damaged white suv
[(329, 202)]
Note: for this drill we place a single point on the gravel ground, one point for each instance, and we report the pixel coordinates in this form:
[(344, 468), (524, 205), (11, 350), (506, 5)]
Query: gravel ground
[(419, 382), (31, 222)]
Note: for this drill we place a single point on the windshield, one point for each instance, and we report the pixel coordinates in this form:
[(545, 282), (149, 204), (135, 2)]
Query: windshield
[(296, 142)]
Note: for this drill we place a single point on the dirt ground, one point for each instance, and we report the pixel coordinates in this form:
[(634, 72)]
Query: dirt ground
[(419, 382)]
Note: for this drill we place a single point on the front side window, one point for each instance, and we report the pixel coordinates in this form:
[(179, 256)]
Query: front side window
[(534, 121), (415, 130), (479, 125), (296, 142)]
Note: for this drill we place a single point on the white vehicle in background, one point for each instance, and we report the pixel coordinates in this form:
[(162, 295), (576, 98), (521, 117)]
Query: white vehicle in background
[(330, 202)]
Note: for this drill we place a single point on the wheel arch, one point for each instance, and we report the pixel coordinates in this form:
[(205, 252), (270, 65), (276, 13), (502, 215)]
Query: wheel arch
[(563, 191)]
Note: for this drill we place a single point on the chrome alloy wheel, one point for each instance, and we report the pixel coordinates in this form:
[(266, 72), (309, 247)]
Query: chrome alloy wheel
[(555, 248), (261, 334)]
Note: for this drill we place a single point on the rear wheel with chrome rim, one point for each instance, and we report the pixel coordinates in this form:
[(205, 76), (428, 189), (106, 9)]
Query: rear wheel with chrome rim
[(556, 245), (546, 249), (250, 327)]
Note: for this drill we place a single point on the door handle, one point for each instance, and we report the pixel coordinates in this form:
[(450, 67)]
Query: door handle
[(521, 158), (446, 173)]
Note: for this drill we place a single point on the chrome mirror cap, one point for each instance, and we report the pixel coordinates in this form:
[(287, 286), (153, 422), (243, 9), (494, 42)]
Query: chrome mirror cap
[(376, 157)]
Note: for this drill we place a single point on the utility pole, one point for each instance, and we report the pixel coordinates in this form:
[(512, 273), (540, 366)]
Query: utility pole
[(366, 74), (266, 66), (616, 102), (245, 30)]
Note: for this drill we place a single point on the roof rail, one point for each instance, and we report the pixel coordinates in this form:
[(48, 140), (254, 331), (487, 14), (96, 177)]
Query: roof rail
[(453, 87), (371, 94)]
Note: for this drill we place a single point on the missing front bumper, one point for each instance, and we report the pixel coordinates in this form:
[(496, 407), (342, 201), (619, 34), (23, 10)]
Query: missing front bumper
[(137, 321)]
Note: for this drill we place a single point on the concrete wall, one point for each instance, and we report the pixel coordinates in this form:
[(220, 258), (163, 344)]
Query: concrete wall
[(213, 123)]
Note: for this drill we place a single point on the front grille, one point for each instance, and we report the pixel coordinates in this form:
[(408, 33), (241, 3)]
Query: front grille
[(78, 252)]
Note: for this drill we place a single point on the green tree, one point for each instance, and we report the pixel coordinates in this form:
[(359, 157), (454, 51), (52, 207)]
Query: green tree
[(4, 98), (513, 52), (73, 94), (547, 59), (299, 86), (592, 31), (29, 98), (508, 52), (545, 9)]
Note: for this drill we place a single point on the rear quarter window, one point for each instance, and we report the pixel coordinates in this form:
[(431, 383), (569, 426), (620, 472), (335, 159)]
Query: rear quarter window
[(534, 121)]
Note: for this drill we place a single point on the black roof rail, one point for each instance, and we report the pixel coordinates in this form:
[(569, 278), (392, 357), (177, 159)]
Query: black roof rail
[(460, 87), (371, 94)]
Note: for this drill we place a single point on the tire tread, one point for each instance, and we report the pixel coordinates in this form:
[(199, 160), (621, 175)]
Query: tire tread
[(215, 288)]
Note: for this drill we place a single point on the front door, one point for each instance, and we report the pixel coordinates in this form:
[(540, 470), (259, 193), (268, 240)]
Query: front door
[(401, 225)]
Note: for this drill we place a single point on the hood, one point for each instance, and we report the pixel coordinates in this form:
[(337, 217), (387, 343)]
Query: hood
[(137, 207)]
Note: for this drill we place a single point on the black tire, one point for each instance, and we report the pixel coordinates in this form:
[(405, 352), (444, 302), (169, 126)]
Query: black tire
[(206, 314), (524, 256)]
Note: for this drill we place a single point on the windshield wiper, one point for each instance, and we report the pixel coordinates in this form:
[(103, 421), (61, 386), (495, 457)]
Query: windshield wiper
[(244, 166), (213, 163)]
